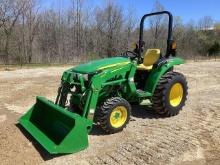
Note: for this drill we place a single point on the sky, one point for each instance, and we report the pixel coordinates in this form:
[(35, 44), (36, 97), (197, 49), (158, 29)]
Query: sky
[(188, 10)]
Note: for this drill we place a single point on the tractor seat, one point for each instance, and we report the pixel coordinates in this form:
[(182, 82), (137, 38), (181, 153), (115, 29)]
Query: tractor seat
[(150, 57)]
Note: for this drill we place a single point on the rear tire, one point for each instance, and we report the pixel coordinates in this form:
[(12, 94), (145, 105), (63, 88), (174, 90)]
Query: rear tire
[(114, 114), (170, 94)]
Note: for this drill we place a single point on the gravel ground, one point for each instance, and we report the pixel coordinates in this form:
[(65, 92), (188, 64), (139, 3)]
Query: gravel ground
[(192, 137)]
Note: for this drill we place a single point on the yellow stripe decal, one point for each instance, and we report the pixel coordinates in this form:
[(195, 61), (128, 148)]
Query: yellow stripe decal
[(112, 65)]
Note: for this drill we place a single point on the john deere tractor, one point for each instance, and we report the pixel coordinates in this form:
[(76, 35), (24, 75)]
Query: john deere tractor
[(102, 91)]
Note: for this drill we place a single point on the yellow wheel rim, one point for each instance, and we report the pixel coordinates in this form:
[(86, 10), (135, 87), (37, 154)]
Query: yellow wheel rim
[(176, 94), (118, 116)]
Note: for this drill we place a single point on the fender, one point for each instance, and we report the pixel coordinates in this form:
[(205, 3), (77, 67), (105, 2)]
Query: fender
[(157, 73)]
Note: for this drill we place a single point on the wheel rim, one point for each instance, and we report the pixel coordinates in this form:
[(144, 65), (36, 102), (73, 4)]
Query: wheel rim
[(176, 94), (118, 116)]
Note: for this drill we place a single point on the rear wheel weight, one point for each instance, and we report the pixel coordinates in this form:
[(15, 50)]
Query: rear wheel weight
[(114, 114), (170, 94)]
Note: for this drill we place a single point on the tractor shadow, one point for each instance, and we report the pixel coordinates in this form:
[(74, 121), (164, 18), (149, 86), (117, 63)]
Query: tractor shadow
[(44, 153), (144, 112), (138, 111), (97, 131)]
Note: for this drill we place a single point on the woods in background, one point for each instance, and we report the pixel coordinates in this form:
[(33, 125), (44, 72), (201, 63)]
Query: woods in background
[(29, 34)]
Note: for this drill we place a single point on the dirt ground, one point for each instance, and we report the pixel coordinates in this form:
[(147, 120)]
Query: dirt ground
[(192, 137)]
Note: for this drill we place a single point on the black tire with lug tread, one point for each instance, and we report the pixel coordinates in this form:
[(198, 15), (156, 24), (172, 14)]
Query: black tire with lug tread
[(170, 94), (109, 109)]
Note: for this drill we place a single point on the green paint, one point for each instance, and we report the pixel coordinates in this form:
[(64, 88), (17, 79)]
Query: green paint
[(156, 74), (96, 65), (57, 130), (61, 131)]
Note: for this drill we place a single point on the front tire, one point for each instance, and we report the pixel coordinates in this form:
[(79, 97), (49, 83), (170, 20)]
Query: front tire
[(114, 114), (170, 94)]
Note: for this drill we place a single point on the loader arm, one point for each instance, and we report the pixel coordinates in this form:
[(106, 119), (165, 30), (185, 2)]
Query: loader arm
[(109, 84), (124, 76)]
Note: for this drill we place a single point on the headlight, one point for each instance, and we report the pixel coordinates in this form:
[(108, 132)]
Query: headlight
[(86, 77)]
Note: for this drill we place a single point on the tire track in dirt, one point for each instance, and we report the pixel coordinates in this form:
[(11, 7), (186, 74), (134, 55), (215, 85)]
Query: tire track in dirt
[(193, 136), (166, 143), (189, 133)]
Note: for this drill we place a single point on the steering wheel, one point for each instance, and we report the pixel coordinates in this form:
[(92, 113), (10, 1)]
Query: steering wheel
[(131, 54)]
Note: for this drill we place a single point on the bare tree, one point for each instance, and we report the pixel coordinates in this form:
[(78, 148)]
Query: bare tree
[(82, 32), (157, 27), (32, 25), (76, 24), (129, 27), (48, 36), (109, 23), (206, 23), (12, 10)]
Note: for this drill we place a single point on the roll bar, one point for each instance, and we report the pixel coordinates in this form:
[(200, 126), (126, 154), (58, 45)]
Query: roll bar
[(170, 30)]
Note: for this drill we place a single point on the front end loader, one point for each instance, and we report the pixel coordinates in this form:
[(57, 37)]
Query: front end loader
[(102, 92)]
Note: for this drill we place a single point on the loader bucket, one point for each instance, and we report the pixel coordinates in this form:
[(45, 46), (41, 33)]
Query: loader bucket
[(56, 129)]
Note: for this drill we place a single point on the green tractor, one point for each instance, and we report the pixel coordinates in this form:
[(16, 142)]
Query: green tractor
[(102, 91)]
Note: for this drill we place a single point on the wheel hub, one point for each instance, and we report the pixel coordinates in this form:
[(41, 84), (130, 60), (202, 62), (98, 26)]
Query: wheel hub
[(118, 116), (176, 94)]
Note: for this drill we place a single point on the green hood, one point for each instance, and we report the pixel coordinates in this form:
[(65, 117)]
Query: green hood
[(105, 63)]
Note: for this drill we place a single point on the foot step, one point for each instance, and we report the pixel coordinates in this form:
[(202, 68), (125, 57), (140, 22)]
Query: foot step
[(142, 93)]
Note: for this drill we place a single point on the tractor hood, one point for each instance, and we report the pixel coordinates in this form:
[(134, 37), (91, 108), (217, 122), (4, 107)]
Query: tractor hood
[(105, 63)]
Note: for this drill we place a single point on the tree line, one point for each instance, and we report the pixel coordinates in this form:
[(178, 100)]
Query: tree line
[(30, 34)]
